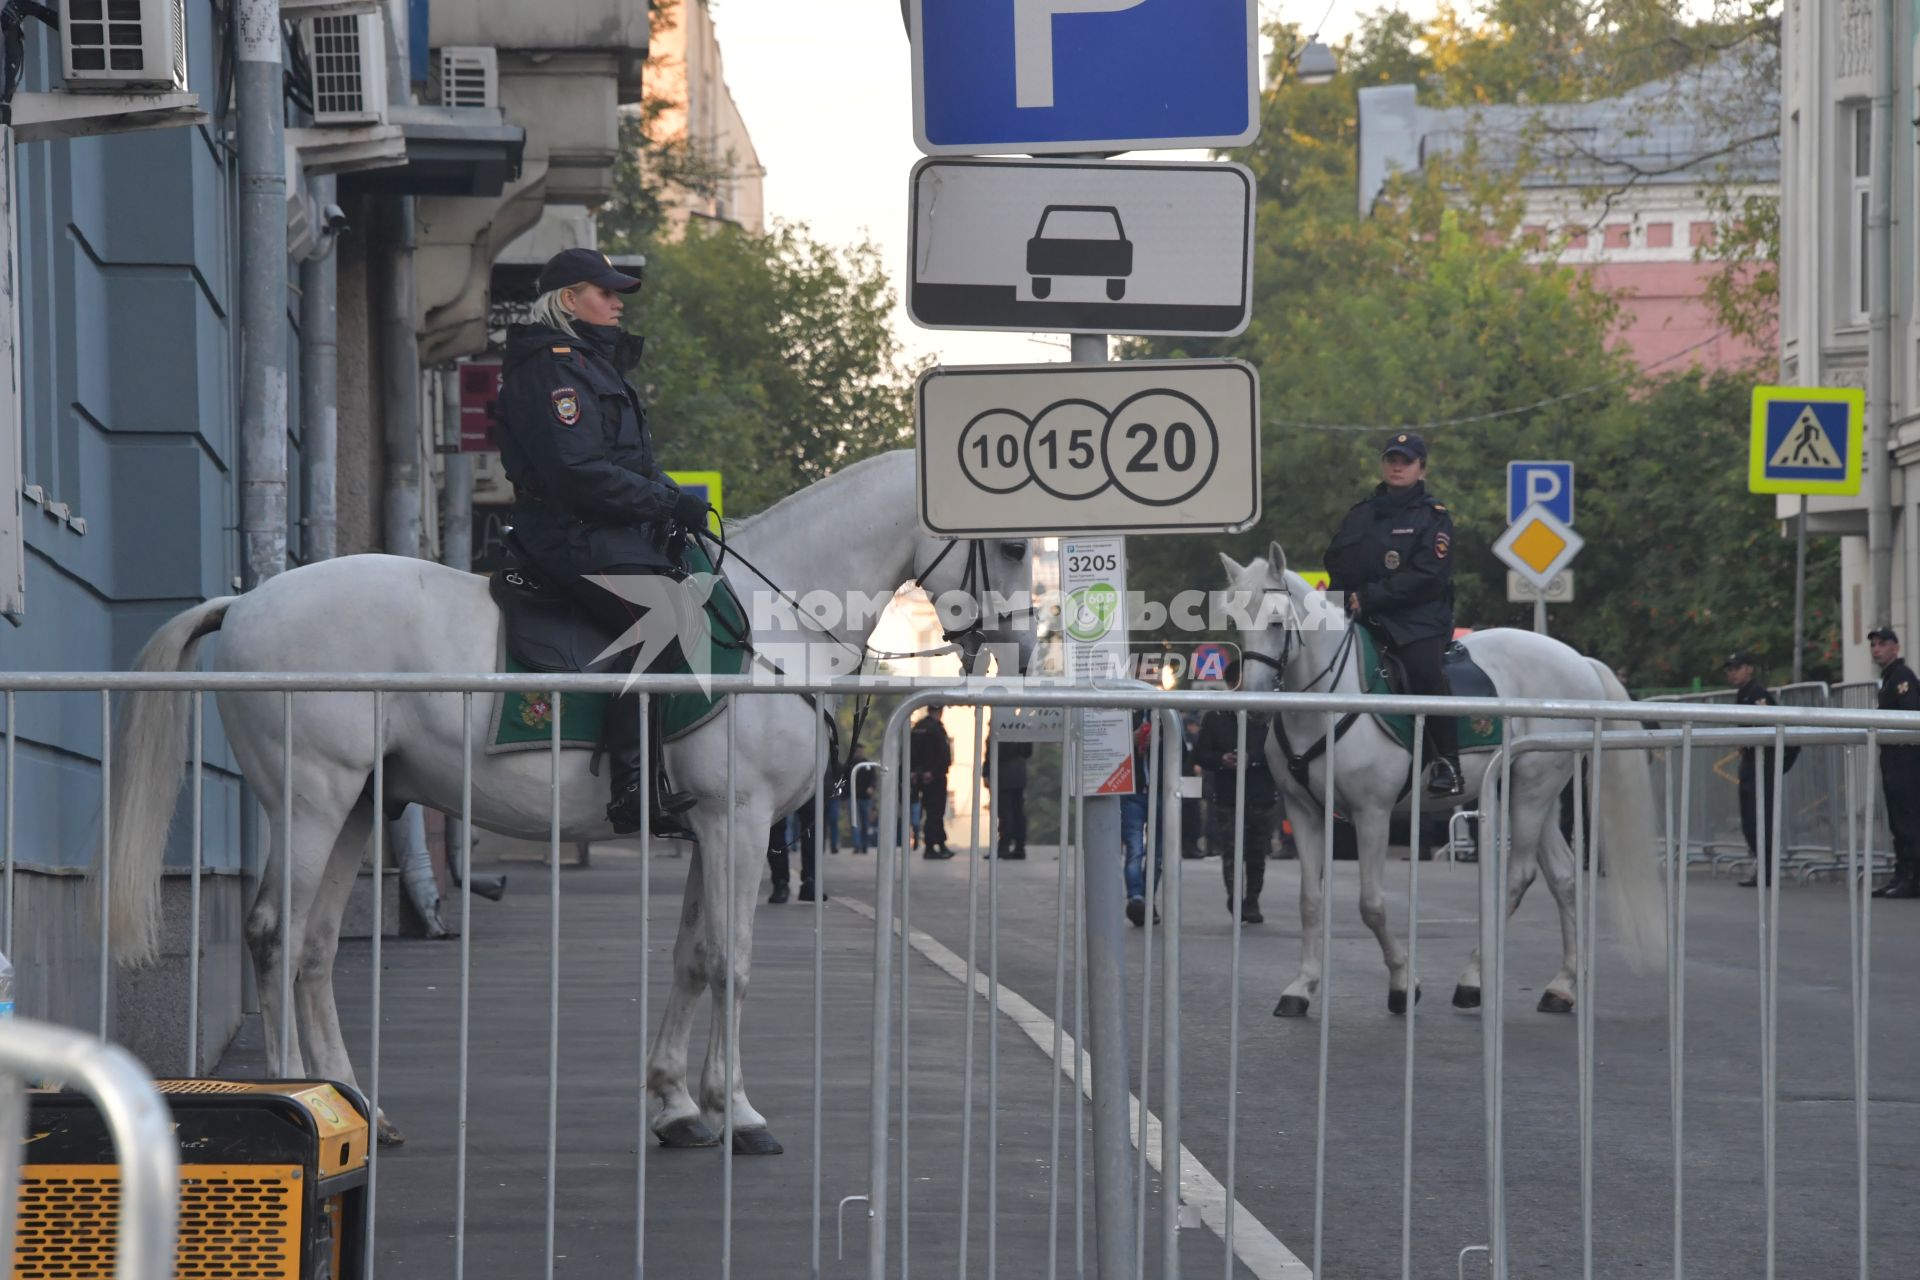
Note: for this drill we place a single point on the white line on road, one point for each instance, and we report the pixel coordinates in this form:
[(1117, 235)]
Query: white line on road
[(1255, 1246)]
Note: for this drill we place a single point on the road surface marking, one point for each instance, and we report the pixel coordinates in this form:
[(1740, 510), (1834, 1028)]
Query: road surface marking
[(1257, 1248)]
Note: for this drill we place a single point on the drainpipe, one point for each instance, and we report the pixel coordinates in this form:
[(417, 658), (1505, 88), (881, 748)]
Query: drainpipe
[(399, 341), (320, 384), (456, 528), (261, 126), (1880, 348)]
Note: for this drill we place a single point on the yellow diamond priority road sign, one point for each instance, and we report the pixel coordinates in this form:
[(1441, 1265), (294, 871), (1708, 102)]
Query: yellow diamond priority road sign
[(1538, 546)]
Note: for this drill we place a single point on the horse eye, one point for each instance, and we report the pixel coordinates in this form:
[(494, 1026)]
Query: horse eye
[(1014, 550)]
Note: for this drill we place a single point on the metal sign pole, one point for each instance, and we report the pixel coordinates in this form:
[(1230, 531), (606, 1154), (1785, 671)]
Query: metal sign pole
[(1540, 613), (1103, 902), (1800, 592)]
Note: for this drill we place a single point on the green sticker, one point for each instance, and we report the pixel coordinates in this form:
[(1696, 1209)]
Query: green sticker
[(1091, 611)]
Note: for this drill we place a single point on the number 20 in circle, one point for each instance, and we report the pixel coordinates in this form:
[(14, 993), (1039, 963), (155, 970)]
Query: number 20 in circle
[(993, 451), (1160, 447)]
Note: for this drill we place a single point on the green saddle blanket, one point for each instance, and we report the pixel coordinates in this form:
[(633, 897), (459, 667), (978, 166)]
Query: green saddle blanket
[(525, 720), (1464, 678)]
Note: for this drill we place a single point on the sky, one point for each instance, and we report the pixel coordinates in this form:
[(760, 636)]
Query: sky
[(826, 91)]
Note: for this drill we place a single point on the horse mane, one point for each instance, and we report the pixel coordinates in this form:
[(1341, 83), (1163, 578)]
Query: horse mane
[(850, 473)]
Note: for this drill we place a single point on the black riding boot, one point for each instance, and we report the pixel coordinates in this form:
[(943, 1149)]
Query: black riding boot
[(623, 753), (1443, 741)]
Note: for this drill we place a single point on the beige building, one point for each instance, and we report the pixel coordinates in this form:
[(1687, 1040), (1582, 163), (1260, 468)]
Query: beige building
[(689, 74)]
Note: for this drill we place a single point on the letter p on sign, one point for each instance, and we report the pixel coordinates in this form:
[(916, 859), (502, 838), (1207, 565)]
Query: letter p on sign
[(1033, 43)]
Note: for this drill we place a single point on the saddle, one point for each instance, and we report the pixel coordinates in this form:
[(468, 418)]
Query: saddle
[(1383, 673), (543, 630)]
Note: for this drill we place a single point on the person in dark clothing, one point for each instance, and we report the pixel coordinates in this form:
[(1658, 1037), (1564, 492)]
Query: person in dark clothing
[(1392, 563), (794, 830), (1899, 766), (591, 504), (1217, 752), (1190, 813), (929, 756), (1756, 772), (866, 802), (1009, 797)]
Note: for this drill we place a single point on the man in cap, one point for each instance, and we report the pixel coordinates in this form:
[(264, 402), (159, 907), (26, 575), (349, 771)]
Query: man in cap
[(1742, 670), (1899, 766), (1392, 562), (591, 504)]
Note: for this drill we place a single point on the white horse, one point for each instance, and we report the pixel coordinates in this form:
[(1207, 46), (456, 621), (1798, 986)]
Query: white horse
[(1304, 643), (854, 535)]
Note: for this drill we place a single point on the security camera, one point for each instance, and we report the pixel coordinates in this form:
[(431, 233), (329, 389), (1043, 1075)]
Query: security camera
[(334, 219)]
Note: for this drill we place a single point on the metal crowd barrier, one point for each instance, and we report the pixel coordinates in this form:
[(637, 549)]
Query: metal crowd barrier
[(141, 1125), (1131, 1227)]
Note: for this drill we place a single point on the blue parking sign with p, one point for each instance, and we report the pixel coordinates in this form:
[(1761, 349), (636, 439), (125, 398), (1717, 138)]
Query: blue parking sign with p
[(1548, 483), (1033, 77)]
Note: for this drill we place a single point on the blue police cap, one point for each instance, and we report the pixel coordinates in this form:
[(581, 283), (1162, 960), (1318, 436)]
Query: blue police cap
[(1407, 443)]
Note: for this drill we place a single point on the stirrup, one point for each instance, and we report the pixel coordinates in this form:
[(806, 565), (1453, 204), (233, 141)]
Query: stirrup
[(1444, 781)]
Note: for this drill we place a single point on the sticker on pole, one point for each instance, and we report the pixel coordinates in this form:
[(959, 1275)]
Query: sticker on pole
[(1807, 440), (1093, 590)]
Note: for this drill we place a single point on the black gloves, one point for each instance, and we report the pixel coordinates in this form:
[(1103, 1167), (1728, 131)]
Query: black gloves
[(690, 512)]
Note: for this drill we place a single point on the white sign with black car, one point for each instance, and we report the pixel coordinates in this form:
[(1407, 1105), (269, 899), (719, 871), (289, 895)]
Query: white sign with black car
[(1082, 246), (1136, 447)]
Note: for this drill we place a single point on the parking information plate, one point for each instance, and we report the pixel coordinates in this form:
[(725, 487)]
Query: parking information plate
[(1139, 447), (1082, 246)]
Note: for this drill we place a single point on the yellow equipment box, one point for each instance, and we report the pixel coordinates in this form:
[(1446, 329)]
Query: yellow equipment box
[(273, 1183)]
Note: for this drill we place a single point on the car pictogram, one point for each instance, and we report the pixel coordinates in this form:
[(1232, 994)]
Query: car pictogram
[(1080, 240)]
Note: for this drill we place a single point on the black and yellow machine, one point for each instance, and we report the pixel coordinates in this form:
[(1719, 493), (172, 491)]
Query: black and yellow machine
[(273, 1183)]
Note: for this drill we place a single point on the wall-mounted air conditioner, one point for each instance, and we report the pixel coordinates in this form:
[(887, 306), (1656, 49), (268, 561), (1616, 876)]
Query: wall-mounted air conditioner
[(348, 55), (124, 44), (469, 76)]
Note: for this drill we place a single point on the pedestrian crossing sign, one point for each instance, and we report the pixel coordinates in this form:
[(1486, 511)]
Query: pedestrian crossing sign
[(1807, 440)]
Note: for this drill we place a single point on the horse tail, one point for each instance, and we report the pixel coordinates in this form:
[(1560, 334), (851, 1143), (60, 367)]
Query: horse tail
[(1629, 847), (150, 745)]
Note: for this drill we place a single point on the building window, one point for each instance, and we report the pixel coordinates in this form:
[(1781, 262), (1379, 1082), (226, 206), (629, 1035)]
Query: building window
[(1860, 198), (1700, 235), (1659, 235), (1576, 237), (1618, 235)]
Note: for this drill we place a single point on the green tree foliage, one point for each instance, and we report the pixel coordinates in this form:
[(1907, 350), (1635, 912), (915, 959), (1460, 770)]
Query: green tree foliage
[(1431, 313), (770, 357)]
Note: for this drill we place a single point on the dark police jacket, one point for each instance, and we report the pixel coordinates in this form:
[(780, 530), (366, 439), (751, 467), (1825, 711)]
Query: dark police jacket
[(1013, 764), (1394, 551), (930, 750), (1754, 694), (1900, 691), (588, 494)]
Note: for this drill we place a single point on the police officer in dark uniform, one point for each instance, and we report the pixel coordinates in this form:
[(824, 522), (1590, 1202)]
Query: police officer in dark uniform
[(1392, 561), (1899, 766), (1756, 764), (591, 504)]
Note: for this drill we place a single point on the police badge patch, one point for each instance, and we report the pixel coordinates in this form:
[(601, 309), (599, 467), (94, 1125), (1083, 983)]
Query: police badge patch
[(1393, 559), (1441, 544), (566, 406)]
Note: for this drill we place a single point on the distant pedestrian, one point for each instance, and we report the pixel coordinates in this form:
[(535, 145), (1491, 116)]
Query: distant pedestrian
[(866, 808), (1218, 753), (930, 756), (796, 830), (1899, 766), (1135, 807), (1009, 797), (1756, 772), (1190, 805)]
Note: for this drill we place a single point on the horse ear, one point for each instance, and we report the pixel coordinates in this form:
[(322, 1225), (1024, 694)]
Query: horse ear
[(1233, 567), (1276, 559)]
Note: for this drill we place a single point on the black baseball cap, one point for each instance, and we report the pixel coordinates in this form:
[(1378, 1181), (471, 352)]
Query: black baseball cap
[(570, 267), (1740, 658), (1408, 443), (1883, 633)]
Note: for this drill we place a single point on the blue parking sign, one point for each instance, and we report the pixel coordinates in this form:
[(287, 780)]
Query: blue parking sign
[(1548, 483), (1032, 77)]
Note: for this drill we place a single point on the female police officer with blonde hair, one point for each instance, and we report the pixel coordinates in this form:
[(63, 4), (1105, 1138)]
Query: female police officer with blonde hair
[(590, 502)]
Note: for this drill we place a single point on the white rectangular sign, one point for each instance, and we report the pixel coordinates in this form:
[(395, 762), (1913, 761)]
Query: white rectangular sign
[(1521, 591), (1082, 246), (1149, 446), (1093, 621), (1029, 724)]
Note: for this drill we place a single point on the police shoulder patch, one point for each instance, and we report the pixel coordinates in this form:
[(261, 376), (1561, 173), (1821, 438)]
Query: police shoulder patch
[(1904, 686), (1441, 545), (566, 405)]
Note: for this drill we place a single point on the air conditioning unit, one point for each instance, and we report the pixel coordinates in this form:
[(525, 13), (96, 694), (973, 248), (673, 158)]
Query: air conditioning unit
[(125, 44), (469, 76), (348, 54)]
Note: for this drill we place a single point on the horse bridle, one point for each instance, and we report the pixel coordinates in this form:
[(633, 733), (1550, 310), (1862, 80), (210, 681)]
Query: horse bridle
[(1334, 667)]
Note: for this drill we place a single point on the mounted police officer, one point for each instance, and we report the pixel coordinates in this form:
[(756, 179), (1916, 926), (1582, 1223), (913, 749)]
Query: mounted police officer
[(1392, 561), (591, 504), (1899, 766)]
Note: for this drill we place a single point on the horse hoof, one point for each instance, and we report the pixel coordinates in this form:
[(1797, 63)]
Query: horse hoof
[(1397, 1000), (390, 1135), (688, 1133), (1465, 997), (1291, 1007), (756, 1142), (1554, 1002)]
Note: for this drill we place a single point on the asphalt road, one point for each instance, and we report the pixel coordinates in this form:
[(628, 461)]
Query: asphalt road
[(772, 1199)]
